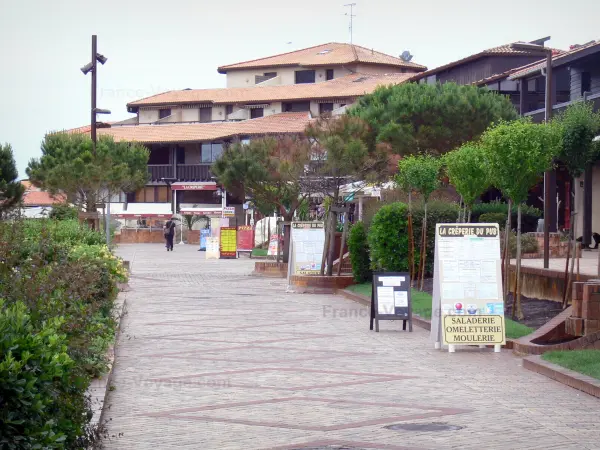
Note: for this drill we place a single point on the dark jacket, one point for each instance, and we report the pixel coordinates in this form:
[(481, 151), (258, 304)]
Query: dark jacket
[(170, 228)]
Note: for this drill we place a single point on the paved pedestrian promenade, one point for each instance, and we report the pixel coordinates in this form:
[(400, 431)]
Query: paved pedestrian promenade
[(212, 358)]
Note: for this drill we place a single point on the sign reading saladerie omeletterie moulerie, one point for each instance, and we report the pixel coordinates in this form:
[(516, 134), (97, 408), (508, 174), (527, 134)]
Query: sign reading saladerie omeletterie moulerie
[(470, 284)]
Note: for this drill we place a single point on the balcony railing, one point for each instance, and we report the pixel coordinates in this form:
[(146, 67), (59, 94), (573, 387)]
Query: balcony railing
[(159, 171), (193, 172)]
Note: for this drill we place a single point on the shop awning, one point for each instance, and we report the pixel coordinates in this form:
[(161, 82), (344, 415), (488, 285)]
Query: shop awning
[(210, 212), (194, 186), (145, 210)]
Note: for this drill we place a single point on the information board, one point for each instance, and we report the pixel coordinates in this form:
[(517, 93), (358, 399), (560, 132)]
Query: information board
[(467, 291), (228, 242), (245, 238), (391, 298), (212, 248), (204, 233), (229, 211), (308, 242)]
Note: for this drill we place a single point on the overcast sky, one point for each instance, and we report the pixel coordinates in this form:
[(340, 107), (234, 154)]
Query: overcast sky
[(153, 46)]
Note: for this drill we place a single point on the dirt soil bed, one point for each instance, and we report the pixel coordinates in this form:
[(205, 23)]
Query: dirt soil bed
[(537, 312)]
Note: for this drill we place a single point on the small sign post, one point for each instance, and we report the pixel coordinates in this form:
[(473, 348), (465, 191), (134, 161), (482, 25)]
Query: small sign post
[(391, 299), (245, 239), (228, 243)]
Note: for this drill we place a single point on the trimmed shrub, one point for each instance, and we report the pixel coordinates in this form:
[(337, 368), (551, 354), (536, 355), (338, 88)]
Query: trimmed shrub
[(359, 253), (388, 238), (42, 403), (63, 211), (498, 218), (437, 212), (388, 235), (529, 244), (529, 214)]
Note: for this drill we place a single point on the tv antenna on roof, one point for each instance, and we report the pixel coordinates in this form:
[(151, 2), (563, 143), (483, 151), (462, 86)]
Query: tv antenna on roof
[(351, 5), (406, 56)]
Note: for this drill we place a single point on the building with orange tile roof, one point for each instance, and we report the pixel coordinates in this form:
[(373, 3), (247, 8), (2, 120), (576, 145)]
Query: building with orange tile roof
[(186, 130)]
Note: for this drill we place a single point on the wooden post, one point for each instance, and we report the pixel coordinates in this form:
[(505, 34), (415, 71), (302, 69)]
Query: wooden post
[(339, 271)]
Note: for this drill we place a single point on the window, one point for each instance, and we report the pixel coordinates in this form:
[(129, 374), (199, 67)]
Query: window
[(217, 150), (255, 113), (264, 77), (586, 82), (296, 107), (162, 113), (305, 76), (228, 109), (325, 108), (329, 74), (205, 115), (210, 152)]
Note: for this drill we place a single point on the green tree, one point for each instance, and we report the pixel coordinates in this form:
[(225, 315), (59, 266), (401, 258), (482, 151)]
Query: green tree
[(69, 165), (579, 125), (517, 154), (11, 191), (467, 171), (420, 173), (340, 155), (269, 171), (417, 118)]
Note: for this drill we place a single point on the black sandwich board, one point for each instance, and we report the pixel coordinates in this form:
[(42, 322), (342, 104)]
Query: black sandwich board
[(390, 298)]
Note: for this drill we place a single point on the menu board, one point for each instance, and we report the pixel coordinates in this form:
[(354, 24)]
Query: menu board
[(228, 242), (245, 238), (212, 248), (468, 285), (391, 299), (308, 242)]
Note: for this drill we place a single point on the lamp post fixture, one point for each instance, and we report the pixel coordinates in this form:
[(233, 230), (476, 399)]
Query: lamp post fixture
[(549, 177), (92, 67)]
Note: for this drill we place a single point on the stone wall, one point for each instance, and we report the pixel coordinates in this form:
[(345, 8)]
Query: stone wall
[(141, 236), (585, 315)]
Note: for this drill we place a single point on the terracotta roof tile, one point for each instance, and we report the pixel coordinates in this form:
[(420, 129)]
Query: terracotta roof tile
[(505, 49), (348, 86), (333, 53), (34, 196), (533, 68), (274, 124)]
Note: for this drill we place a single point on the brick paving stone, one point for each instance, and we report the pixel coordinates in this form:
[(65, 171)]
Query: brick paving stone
[(212, 358)]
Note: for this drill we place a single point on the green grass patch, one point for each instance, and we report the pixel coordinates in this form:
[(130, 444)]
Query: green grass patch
[(421, 304), (421, 301), (515, 330), (259, 252), (586, 362)]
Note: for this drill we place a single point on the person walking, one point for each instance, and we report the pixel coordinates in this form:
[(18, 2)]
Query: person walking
[(169, 230)]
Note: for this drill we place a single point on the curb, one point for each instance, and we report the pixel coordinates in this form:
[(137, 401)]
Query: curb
[(417, 320), (563, 375), (103, 384)]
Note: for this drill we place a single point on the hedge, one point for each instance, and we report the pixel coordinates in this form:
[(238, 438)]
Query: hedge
[(388, 235), (58, 283), (359, 253), (529, 214)]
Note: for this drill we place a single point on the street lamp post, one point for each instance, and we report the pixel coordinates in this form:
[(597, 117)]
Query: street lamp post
[(549, 175), (92, 67)]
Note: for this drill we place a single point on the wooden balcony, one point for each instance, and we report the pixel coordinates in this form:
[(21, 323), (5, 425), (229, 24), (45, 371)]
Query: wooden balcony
[(159, 171), (194, 172)]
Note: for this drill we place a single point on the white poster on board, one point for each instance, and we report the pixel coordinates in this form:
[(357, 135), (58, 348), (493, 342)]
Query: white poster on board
[(467, 304)]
